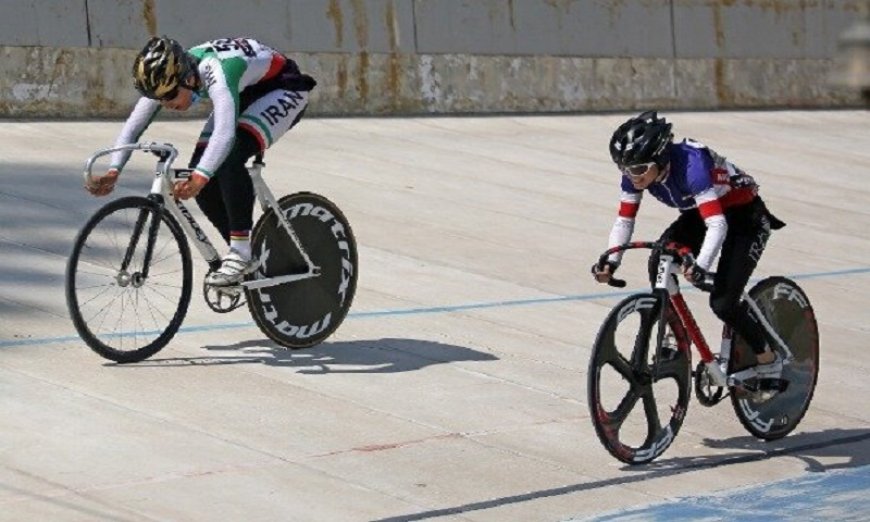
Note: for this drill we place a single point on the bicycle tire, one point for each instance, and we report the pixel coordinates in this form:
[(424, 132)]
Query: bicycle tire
[(789, 311), (303, 313), (637, 371), (89, 244)]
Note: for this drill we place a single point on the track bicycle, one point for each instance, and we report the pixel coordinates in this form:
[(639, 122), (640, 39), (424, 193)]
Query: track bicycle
[(129, 278), (640, 371)]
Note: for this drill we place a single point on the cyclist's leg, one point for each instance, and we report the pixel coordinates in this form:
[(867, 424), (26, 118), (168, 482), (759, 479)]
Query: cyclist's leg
[(747, 237), (688, 229), (270, 116), (232, 187), (264, 119), (236, 187), (211, 202), (210, 199)]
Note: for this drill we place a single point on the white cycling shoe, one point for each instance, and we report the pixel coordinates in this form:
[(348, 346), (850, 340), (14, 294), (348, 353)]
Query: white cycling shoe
[(751, 378), (232, 271), (772, 370)]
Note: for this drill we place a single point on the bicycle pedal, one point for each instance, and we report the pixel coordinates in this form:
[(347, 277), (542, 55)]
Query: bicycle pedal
[(229, 291), (223, 299)]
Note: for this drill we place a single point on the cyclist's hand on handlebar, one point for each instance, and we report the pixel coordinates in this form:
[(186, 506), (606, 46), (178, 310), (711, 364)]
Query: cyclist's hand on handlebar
[(694, 274), (103, 185), (603, 273), (189, 188)]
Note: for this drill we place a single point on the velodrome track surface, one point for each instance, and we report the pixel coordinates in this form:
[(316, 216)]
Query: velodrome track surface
[(456, 388)]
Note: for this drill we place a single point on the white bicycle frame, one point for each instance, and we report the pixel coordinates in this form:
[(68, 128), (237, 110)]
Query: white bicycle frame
[(667, 267), (162, 186)]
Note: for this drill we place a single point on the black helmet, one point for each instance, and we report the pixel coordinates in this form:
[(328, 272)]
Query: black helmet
[(160, 68), (641, 139)]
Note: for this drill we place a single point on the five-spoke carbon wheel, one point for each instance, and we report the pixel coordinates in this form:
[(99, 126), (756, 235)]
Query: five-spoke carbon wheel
[(637, 406)]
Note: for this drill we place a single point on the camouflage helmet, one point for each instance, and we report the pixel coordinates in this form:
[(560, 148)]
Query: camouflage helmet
[(160, 68)]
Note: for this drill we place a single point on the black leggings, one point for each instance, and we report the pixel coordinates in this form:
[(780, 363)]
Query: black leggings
[(748, 231), (227, 200)]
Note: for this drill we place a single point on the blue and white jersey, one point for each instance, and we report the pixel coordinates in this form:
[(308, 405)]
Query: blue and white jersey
[(696, 178)]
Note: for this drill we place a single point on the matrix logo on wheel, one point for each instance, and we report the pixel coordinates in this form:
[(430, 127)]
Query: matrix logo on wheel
[(337, 229), (347, 270)]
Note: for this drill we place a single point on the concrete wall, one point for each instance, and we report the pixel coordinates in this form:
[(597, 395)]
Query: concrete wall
[(72, 57)]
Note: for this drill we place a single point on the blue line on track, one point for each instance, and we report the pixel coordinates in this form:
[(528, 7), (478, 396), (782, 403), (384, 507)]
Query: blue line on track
[(8, 343)]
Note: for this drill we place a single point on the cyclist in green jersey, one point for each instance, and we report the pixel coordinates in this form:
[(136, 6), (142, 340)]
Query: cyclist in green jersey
[(257, 95)]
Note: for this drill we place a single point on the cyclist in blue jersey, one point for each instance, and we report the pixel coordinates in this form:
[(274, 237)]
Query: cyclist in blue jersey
[(257, 95), (721, 214)]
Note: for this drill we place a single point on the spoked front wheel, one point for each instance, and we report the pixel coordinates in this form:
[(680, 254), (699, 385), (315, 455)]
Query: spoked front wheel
[(790, 313), (122, 311), (302, 313), (637, 414)]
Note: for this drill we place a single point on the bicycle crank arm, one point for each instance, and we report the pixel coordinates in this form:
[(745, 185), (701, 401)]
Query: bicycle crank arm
[(280, 280), (717, 376)]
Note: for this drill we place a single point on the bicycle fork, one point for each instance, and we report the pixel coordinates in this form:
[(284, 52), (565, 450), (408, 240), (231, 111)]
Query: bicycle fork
[(155, 210)]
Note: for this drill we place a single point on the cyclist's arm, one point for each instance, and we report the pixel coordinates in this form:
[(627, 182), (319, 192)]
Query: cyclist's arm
[(141, 116), (700, 174), (717, 227), (623, 227), (222, 80)]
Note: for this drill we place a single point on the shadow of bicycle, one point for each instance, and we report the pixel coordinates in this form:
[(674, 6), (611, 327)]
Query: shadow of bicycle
[(849, 445), (821, 451), (389, 355)]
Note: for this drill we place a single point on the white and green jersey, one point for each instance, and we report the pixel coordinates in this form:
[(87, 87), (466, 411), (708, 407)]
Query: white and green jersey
[(226, 68)]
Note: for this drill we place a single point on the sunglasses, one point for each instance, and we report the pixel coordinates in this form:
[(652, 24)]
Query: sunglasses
[(166, 97), (636, 171), (169, 96)]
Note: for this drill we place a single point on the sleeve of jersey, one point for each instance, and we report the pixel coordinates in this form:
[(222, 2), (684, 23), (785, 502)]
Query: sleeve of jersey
[(717, 227), (141, 116), (223, 91), (623, 227), (699, 175)]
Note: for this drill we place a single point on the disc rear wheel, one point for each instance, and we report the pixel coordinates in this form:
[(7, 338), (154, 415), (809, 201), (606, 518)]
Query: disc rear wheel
[(303, 313), (787, 308)]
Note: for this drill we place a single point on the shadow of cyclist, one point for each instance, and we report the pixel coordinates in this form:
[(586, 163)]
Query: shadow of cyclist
[(821, 451), (389, 355)]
